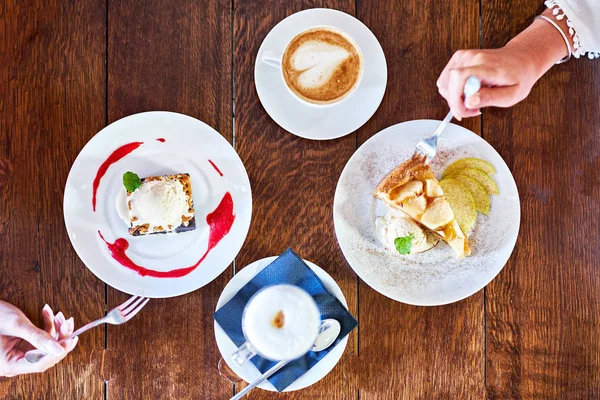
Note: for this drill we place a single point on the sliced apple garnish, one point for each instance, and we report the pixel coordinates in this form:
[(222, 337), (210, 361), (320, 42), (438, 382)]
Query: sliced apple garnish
[(463, 163), (462, 203), (480, 195)]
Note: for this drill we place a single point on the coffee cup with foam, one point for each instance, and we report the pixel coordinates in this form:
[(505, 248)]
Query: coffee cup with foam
[(280, 322), (321, 66)]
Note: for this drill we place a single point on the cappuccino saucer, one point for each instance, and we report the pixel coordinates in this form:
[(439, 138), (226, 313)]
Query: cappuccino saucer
[(309, 121), (248, 372)]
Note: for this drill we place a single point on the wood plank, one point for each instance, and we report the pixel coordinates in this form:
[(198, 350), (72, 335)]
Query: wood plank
[(409, 352), (52, 81), (293, 179), (542, 325), (175, 57)]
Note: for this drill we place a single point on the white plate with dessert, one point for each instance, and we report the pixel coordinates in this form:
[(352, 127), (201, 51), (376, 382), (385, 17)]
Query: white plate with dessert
[(320, 74), (157, 201), (426, 234), (247, 371)]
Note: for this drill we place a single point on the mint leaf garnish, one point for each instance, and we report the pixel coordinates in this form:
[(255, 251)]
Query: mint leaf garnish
[(404, 244), (131, 181)]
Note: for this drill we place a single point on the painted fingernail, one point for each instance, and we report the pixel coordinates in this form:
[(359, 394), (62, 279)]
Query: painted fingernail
[(458, 117), (473, 101), (60, 317)]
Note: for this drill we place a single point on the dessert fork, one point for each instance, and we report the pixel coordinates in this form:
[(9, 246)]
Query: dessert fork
[(427, 148), (117, 316)]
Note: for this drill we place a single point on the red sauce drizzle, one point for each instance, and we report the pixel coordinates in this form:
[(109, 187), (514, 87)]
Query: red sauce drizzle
[(219, 221), (162, 140), (215, 167), (113, 158)]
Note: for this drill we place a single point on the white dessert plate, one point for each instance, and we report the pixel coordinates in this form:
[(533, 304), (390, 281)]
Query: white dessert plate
[(436, 276), (248, 371), (335, 120), (172, 143)]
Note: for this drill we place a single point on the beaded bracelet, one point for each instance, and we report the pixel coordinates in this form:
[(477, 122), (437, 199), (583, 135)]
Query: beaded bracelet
[(554, 24)]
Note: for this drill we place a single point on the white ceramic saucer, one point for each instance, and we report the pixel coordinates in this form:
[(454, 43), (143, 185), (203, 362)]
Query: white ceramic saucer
[(248, 371), (436, 276), (336, 120), (172, 143)]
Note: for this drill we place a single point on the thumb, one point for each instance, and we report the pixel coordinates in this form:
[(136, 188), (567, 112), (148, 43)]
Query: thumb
[(39, 338), (500, 96)]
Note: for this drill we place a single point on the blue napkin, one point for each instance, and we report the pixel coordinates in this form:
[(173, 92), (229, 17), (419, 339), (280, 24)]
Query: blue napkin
[(291, 269)]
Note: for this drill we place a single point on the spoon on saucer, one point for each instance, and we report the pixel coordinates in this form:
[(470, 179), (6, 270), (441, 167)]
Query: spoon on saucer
[(328, 332)]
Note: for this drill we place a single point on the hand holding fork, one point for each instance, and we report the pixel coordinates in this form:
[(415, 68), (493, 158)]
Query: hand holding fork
[(116, 316)]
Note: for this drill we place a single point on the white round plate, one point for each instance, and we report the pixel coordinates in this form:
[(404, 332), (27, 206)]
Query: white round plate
[(336, 120), (437, 276), (188, 146), (248, 371)]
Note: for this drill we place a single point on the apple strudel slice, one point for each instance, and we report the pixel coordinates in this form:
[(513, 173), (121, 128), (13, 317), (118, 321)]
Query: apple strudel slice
[(412, 188)]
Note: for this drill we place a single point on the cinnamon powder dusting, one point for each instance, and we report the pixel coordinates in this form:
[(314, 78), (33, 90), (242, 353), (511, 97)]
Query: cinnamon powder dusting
[(278, 321)]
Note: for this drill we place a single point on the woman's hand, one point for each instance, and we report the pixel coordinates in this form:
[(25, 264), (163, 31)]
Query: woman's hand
[(507, 74), (18, 335)]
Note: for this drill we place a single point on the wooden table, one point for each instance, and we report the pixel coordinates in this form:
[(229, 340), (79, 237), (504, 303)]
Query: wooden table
[(69, 68)]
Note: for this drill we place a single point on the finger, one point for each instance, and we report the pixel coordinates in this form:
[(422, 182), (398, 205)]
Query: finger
[(496, 96), (60, 317), (454, 62), (22, 366), (58, 321), (48, 317), (455, 93), (39, 338), (56, 327), (456, 85), (66, 329), (70, 344), (472, 113)]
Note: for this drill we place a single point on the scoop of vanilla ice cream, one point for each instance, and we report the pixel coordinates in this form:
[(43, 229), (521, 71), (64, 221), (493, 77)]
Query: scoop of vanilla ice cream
[(396, 224), (159, 203)]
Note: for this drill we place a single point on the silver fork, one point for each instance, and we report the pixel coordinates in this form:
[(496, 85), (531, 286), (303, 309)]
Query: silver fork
[(427, 148), (117, 316)]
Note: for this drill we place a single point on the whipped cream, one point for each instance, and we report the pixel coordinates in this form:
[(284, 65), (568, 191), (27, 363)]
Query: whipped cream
[(160, 202), (281, 322), (396, 224)]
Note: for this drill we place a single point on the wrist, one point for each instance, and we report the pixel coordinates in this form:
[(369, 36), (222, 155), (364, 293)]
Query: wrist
[(541, 45)]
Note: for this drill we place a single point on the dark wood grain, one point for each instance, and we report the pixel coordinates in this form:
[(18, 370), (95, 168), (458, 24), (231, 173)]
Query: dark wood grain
[(69, 68), (52, 101), (293, 179), (542, 310), (413, 352), (173, 56)]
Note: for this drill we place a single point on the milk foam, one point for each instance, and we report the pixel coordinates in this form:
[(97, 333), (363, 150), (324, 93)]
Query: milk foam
[(318, 61), (301, 322)]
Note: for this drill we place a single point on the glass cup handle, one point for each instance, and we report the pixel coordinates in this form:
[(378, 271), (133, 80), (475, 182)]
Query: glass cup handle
[(243, 353), (271, 58)]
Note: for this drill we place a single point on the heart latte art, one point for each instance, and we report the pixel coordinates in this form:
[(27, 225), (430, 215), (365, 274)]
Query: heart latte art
[(322, 65)]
